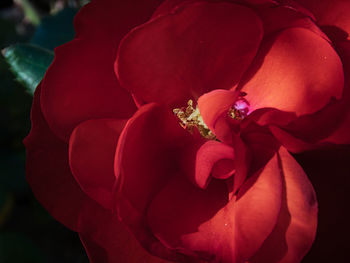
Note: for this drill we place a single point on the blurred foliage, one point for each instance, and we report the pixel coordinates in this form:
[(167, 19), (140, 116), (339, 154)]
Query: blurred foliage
[(28, 234), (29, 63), (55, 30)]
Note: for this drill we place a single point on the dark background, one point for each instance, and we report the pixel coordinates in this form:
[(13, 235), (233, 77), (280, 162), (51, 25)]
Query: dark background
[(28, 234)]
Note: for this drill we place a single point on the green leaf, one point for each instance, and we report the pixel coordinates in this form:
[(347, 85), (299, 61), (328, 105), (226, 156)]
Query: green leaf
[(29, 63), (55, 30)]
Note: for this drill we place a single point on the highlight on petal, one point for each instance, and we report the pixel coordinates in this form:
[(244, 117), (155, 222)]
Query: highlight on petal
[(206, 225), (92, 147), (296, 227), (297, 71), (214, 104), (192, 50), (48, 173), (330, 125)]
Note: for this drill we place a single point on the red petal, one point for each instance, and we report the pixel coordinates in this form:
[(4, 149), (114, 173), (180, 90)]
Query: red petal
[(208, 155), (92, 149), (48, 173), (203, 223), (148, 155), (330, 13), (271, 116), (260, 145), (296, 228), (298, 71), (214, 104), (291, 143), (107, 240), (341, 134), (196, 48), (329, 125), (95, 20), (81, 84), (169, 5), (287, 14)]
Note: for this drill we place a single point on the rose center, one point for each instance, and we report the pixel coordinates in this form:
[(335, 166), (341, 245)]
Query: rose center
[(191, 118), (240, 109)]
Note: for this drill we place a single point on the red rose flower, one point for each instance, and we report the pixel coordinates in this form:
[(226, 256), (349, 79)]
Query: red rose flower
[(175, 120)]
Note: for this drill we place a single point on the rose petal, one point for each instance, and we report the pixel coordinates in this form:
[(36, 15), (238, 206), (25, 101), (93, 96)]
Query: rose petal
[(290, 142), (330, 13), (107, 240), (214, 104), (204, 224), (147, 157), (271, 116), (260, 145), (207, 156), (94, 20), (194, 49), (48, 173), (92, 149), (75, 89), (81, 84), (341, 134), (297, 71), (296, 227), (329, 125), (169, 5), (287, 14)]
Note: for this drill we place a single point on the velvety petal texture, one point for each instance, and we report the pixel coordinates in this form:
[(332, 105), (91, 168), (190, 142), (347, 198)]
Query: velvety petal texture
[(296, 71), (81, 84), (327, 126), (67, 99), (107, 240), (147, 158), (296, 226), (48, 173), (109, 157), (214, 105), (181, 55), (211, 153), (92, 147), (206, 224), (334, 14)]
